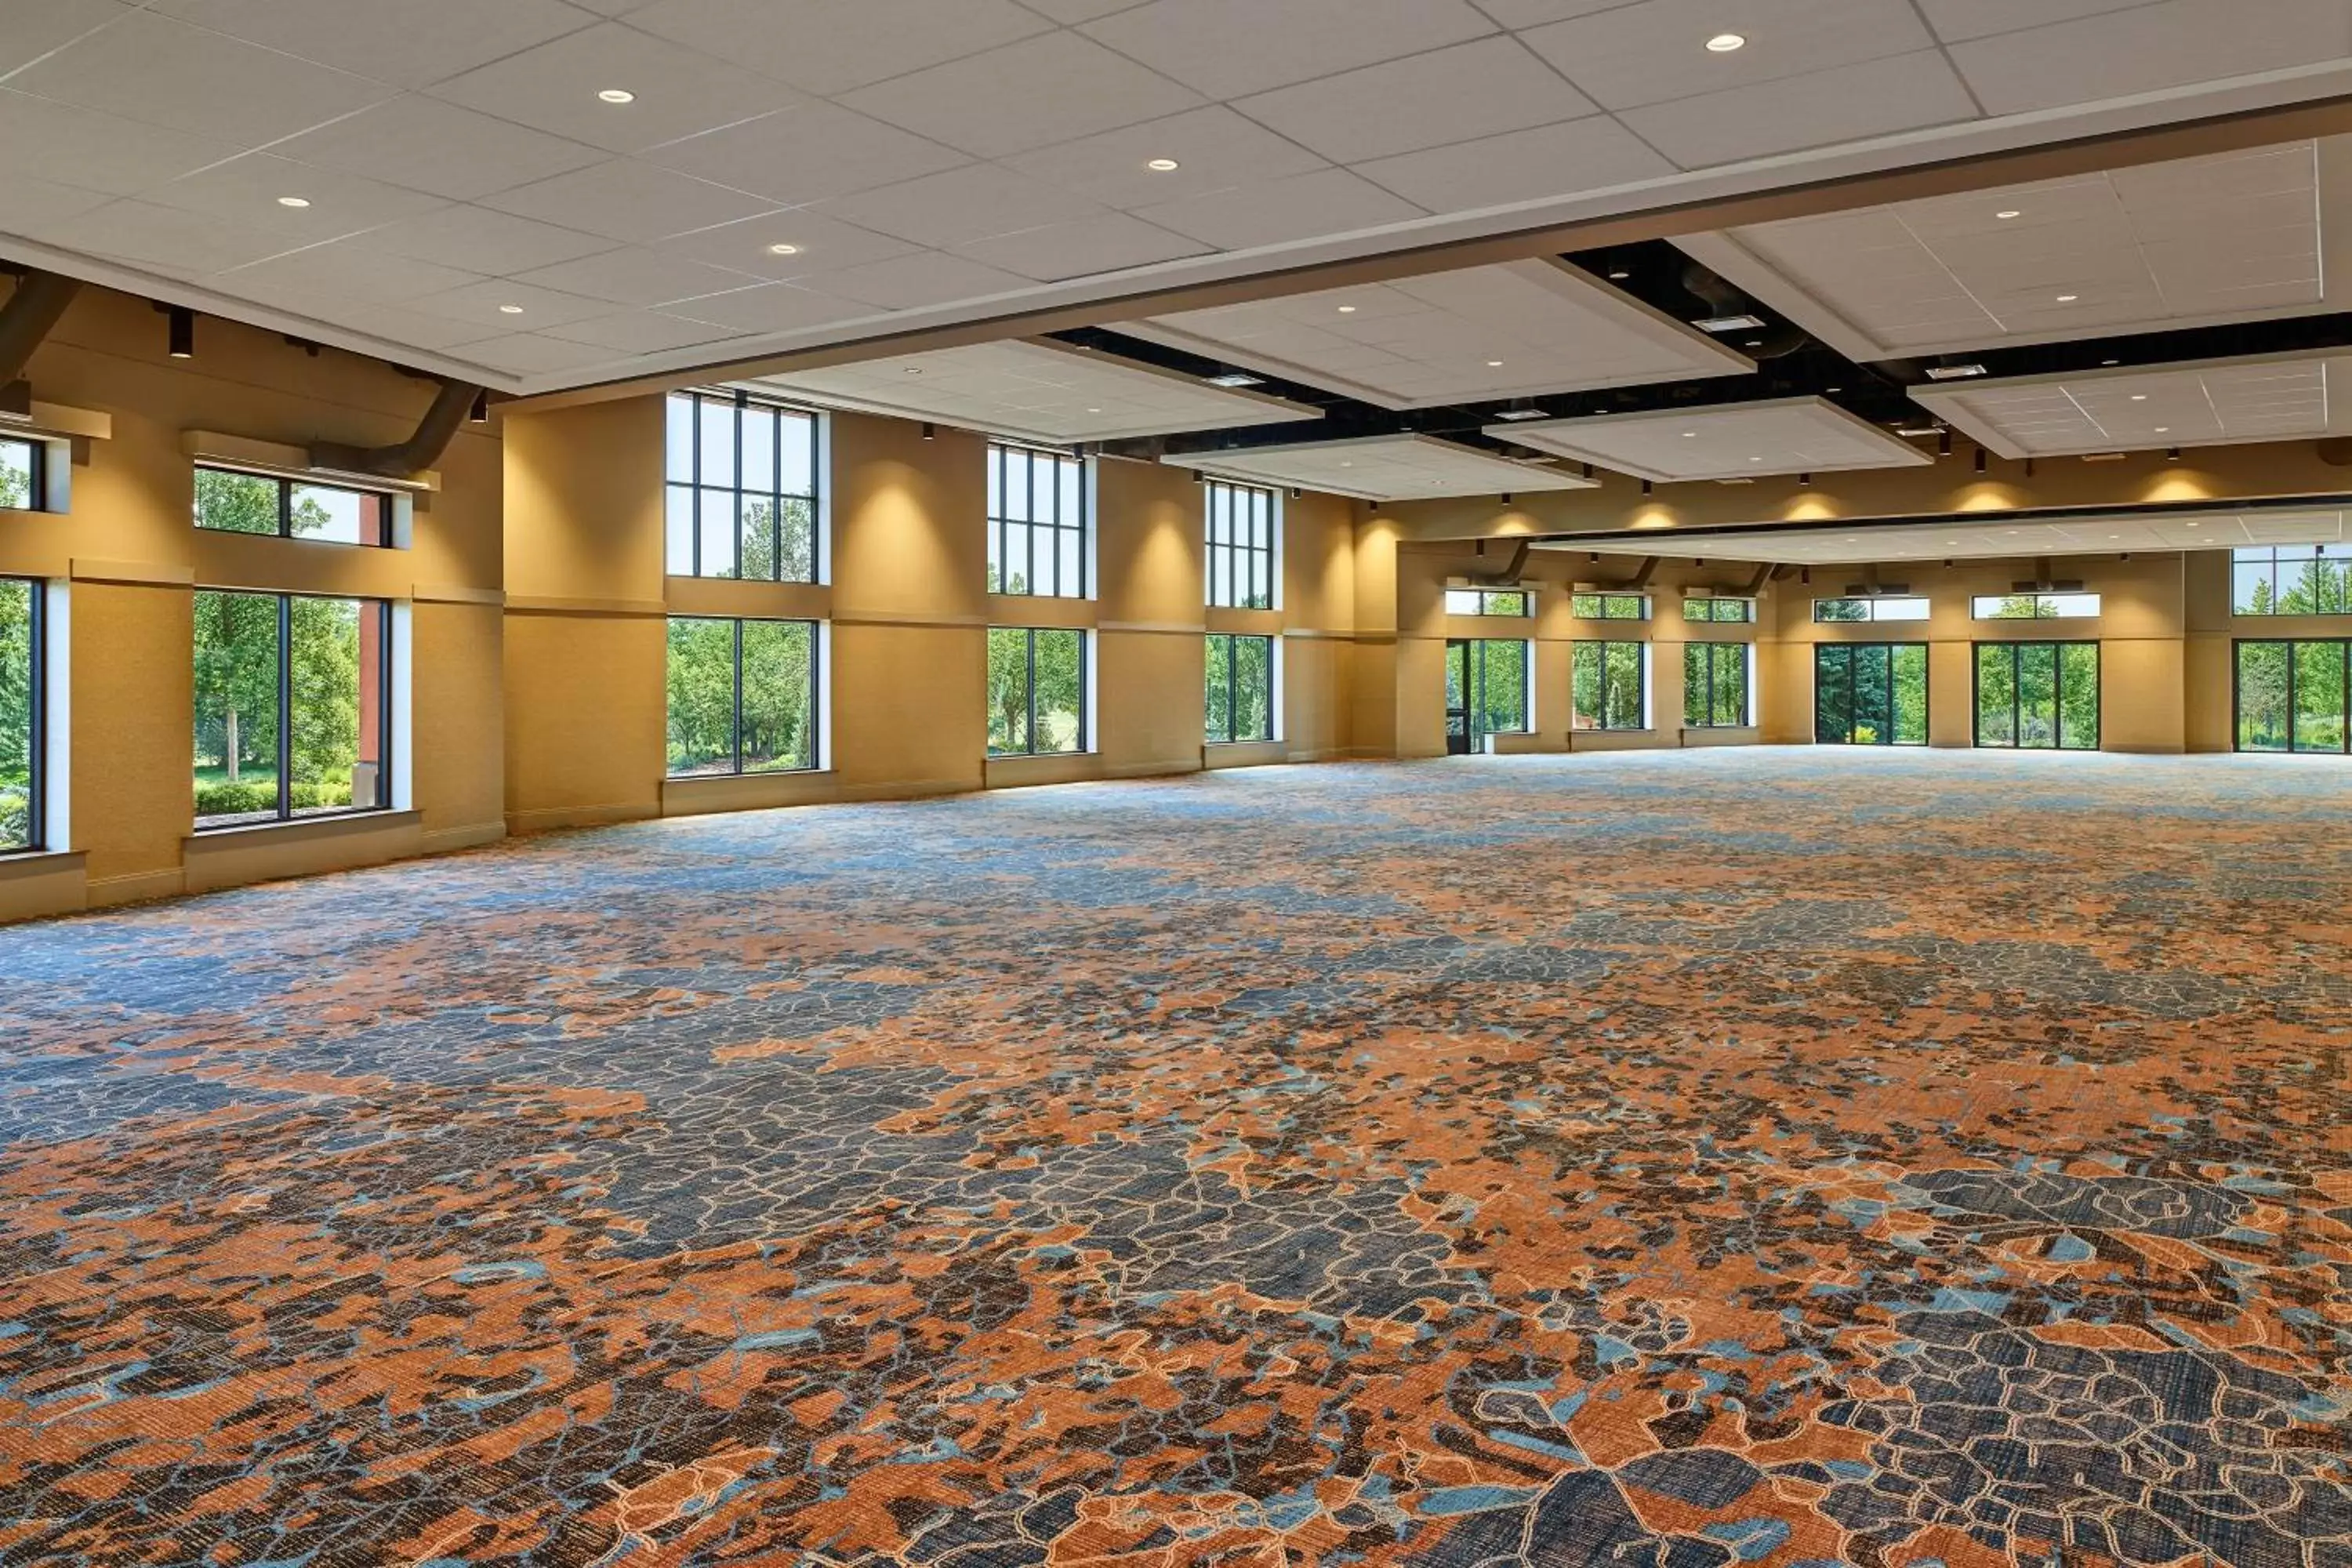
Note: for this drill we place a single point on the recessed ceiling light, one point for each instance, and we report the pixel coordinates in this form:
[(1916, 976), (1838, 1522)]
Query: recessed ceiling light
[(2192, 525), (293, 201), (1954, 372), (2139, 397), (2068, 299), (617, 95), (1163, 165), (782, 249), (1689, 434), (1094, 411), (2008, 213), (1346, 310), (1619, 276), (510, 309), (2164, 430), (1725, 43), (2111, 362), (1730, 323), (914, 370), (1236, 378), (1494, 364), (1515, 414)]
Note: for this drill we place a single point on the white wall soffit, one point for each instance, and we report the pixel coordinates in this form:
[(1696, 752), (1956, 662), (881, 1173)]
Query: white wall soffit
[(1382, 468), (1728, 441), (1521, 328), (2205, 403), (1927, 544), (2202, 242), (1033, 389)]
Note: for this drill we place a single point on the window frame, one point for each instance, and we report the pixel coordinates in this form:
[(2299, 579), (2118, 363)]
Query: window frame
[(1233, 641), (1601, 603), (36, 747), (2267, 557), (1239, 554), (1000, 526), (2016, 647), (815, 697), (739, 402), (1852, 650), (1086, 686), (1525, 596), (1715, 617), (1871, 603), (1474, 684), (2237, 696), (387, 503), (37, 473), (1746, 652), (2043, 607), (284, 812), (1641, 689)]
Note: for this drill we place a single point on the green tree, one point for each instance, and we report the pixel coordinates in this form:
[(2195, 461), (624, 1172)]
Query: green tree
[(236, 682), (701, 676), (15, 475), (16, 715)]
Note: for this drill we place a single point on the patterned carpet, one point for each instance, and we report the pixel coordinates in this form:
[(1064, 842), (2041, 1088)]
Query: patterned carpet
[(1769, 1157)]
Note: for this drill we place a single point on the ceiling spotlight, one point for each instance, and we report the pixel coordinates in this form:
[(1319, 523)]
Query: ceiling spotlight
[(1730, 323), (1690, 434), (783, 249), (2068, 299), (510, 309), (930, 431), (1954, 372), (1944, 445), (1805, 481), (1981, 459), (1163, 165), (2172, 455), (1515, 415), (1619, 276), (1494, 364), (1346, 310), (2164, 430), (479, 414), (617, 95), (2139, 397), (1725, 43), (1648, 488), (293, 201), (1244, 378), (2008, 213), (180, 333)]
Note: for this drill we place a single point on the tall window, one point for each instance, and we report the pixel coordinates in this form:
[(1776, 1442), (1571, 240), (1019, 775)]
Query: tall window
[(1869, 694), (293, 707), (1241, 523), (1888, 609), (20, 715), (2292, 696), (1037, 524), (742, 499), (1714, 685), (1489, 602), (1037, 691), (2292, 580), (1611, 685), (1609, 607), (230, 501), (1240, 688), (742, 696), (2034, 606), (1486, 688), (2038, 695), (20, 475), (1719, 610)]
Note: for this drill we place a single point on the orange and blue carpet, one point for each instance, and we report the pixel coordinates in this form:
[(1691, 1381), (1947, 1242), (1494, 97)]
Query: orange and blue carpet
[(1783, 1158)]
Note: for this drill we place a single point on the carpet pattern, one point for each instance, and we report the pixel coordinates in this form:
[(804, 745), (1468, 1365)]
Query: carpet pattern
[(1777, 1157)]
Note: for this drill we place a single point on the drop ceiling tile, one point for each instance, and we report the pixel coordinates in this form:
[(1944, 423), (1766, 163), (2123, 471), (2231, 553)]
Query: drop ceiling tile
[(36, 28), (1728, 441), (429, 145), (963, 205), (2147, 49), (1904, 92), (806, 154), (164, 72), (1037, 390), (832, 47), (1229, 49), (1055, 88), (1070, 13), (1479, 88), (495, 243), (62, 143), (635, 275), (553, 87), (772, 308), (355, 268), (627, 200), (1215, 149), (483, 304), (1655, 51), (823, 245), (532, 353), (1108, 243), (411, 44), (1382, 467), (1304, 207), (394, 324), (1437, 339), (30, 205), (246, 189), (2265, 397), (1521, 14), (640, 332), (912, 282), (1548, 161), (1957, 20), (166, 239)]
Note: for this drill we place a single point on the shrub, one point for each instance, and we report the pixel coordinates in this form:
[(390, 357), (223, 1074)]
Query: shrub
[(234, 799)]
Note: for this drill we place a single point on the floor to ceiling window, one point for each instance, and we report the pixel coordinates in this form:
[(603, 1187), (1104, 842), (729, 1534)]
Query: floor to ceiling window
[(1240, 691), (742, 488), (2293, 695), (21, 681), (1037, 691), (293, 701), (1486, 690), (743, 696), (1610, 684), (1715, 684), (2038, 695), (1869, 694)]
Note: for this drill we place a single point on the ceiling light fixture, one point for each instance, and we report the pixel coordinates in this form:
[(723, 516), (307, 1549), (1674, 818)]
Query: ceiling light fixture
[(617, 95), (510, 309), (1163, 165), (2008, 213), (1620, 276), (1955, 371), (2068, 299), (293, 201), (1494, 364), (479, 414), (2139, 397), (783, 249), (180, 333), (1244, 378), (930, 431), (1346, 310), (2172, 455), (1728, 323), (1725, 43), (1514, 415)]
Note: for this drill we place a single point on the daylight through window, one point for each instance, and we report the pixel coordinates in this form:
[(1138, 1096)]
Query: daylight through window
[(1609, 607), (293, 701), (231, 501), (1242, 522), (20, 476), (742, 489), (743, 696), (1037, 524), (1489, 602), (1037, 691), (1715, 685), (1240, 688), (1611, 685), (21, 680), (2292, 580)]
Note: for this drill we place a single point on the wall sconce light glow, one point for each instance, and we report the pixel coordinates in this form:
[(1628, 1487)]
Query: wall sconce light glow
[(1725, 43), (293, 201), (1163, 165), (617, 95)]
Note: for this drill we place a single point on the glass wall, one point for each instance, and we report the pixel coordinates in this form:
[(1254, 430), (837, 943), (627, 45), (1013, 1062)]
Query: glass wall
[(1869, 694), (1037, 691), (743, 696), (2292, 696), (1240, 693), (1488, 691), (1610, 682), (1874, 609), (293, 697), (2038, 695), (1716, 685)]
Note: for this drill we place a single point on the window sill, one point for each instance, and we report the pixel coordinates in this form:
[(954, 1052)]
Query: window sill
[(17, 865), (301, 829), (1222, 745), (676, 780)]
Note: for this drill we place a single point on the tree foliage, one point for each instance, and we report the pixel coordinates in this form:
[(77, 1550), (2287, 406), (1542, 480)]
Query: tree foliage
[(17, 748), (238, 712), (778, 698)]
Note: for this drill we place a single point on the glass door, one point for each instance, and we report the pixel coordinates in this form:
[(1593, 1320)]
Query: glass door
[(1485, 691), (1869, 694), (2294, 695), (2038, 695)]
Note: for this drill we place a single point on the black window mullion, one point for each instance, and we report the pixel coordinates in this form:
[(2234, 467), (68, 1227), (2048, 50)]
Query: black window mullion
[(1029, 642), (693, 490), (776, 493), (285, 706), (739, 696), (36, 747)]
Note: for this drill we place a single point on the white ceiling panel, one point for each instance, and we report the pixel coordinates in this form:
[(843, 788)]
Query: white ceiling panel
[(1214, 148), (1228, 49), (1276, 211), (120, 157), (178, 243), (962, 206), (1927, 544), (1035, 390), (532, 353), (806, 154), (1874, 97), (640, 332), (1728, 441), (352, 268), (1594, 153), (1653, 52), (494, 243), (628, 200), (831, 46), (2236, 236), (636, 276), (44, 202), (1032, 94), (1479, 89), (486, 305), (429, 145), (247, 190), (924, 277), (772, 308), (411, 44), (1522, 329), (819, 243), (2148, 49), (37, 27), (2212, 403), (1382, 468), (1108, 243), (677, 92), (1956, 21)]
